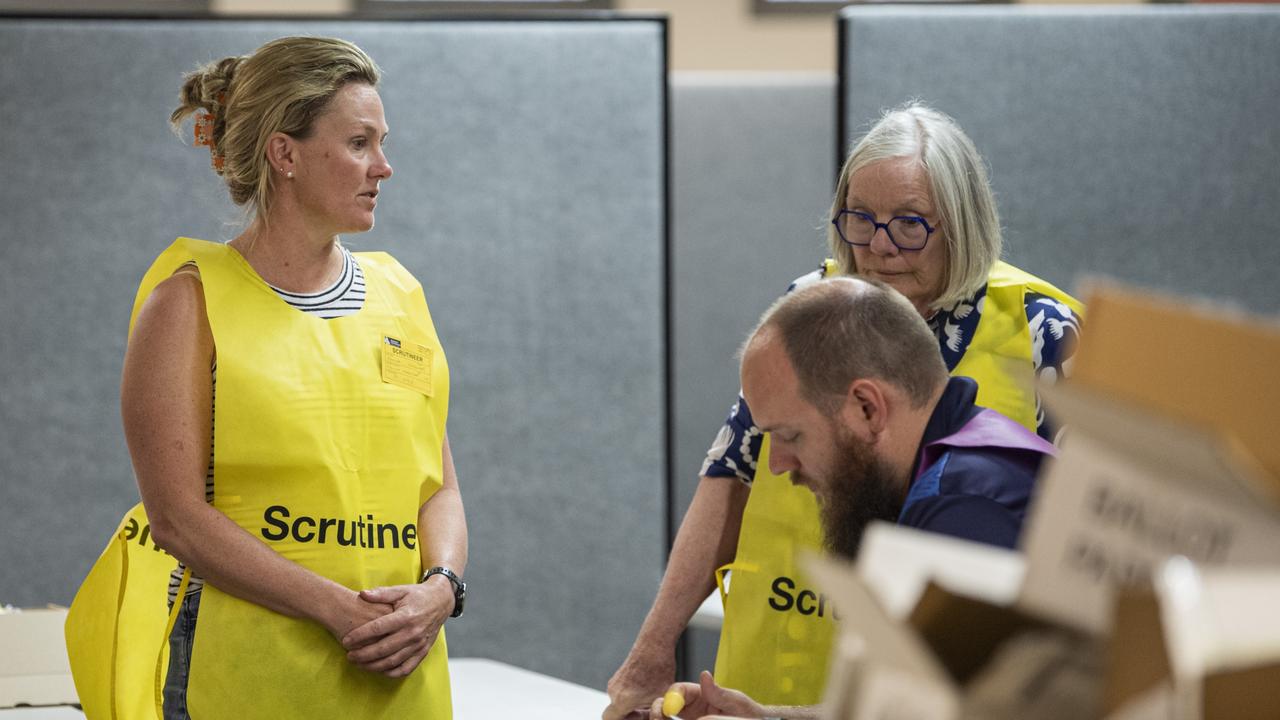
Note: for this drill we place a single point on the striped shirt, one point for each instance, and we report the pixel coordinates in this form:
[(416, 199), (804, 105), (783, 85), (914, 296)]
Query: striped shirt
[(344, 297)]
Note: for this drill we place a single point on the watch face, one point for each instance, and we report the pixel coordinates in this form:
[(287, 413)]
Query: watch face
[(459, 598)]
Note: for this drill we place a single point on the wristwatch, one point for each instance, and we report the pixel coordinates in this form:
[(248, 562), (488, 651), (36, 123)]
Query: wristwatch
[(459, 587)]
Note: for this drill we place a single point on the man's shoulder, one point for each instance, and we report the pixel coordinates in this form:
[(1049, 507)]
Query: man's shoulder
[(967, 517), (976, 493), (989, 471)]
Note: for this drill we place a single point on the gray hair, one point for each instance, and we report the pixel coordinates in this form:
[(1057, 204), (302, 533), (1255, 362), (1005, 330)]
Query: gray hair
[(958, 182), (843, 329)]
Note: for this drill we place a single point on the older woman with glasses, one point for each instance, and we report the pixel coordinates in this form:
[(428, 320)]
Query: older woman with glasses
[(914, 209)]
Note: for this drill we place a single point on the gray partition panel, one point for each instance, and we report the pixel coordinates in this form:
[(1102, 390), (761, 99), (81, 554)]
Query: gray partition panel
[(752, 178), (1138, 142), (529, 197)]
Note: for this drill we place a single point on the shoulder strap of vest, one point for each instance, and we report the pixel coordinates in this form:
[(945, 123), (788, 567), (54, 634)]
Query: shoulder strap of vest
[(1005, 275), (182, 251), (390, 269)]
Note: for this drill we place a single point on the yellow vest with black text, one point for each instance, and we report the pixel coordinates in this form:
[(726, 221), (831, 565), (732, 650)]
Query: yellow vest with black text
[(777, 632), (117, 626), (328, 465)]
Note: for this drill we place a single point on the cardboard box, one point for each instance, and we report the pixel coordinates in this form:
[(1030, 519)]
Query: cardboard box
[(1152, 562), (1197, 644), (1170, 416), (959, 649), (898, 564), (33, 663), (877, 662), (1192, 644)]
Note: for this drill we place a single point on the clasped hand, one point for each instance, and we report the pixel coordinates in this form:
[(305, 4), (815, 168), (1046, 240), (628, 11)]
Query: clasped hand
[(396, 640)]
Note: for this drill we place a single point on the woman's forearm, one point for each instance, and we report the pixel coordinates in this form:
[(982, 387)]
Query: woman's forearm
[(442, 523), (227, 556)]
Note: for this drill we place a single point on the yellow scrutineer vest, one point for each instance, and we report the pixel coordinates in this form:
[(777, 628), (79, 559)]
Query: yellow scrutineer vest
[(116, 628), (777, 632), (327, 464)]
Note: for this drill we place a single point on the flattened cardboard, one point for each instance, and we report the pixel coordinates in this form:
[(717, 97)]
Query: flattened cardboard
[(1201, 644), (1203, 364), (887, 669), (1136, 653), (1166, 453), (963, 632), (33, 664), (1105, 518), (883, 639), (898, 564), (889, 692), (1249, 694), (1219, 619), (1045, 674)]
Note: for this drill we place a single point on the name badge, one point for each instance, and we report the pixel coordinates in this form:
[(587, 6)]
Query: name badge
[(406, 364)]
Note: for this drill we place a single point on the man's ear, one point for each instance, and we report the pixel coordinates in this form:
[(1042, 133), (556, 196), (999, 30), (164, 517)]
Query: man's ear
[(865, 409)]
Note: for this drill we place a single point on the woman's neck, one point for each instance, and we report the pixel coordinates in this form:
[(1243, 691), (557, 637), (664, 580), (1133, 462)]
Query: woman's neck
[(288, 257)]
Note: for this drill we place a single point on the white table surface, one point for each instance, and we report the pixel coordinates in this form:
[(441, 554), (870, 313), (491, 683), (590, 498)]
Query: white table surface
[(482, 690), (487, 690)]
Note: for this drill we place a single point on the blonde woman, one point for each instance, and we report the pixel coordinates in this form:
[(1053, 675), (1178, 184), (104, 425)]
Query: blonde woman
[(284, 402)]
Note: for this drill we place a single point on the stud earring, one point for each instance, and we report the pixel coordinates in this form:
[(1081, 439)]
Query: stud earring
[(289, 174)]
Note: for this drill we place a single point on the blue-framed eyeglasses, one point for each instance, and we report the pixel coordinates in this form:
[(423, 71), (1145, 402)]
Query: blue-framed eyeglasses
[(906, 232)]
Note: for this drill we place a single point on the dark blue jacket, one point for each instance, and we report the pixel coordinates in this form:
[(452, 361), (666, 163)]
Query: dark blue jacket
[(975, 471)]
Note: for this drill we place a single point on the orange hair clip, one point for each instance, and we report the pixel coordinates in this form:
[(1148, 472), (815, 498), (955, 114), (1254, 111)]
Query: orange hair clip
[(204, 129), (204, 136)]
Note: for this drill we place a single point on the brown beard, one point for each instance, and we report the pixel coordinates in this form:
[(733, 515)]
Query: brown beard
[(862, 488)]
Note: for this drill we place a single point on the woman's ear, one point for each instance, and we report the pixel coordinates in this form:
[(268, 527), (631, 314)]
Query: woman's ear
[(281, 153)]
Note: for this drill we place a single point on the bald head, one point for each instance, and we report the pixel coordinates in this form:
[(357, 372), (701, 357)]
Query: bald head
[(843, 329)]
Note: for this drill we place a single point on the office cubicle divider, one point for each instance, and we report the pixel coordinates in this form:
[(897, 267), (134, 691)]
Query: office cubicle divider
[(529, 197), (1137, 142)]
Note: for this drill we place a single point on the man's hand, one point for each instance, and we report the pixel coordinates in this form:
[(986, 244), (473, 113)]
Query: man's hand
[(643, 676), (396, 643), (705, 698)]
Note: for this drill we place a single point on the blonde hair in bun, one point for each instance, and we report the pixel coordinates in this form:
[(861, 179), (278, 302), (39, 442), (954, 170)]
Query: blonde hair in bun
[(282, 87)]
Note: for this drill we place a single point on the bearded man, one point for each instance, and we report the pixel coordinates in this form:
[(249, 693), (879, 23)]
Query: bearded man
[(846, 378)]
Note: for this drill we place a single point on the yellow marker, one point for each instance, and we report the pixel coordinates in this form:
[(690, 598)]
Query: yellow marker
[(672, 703)]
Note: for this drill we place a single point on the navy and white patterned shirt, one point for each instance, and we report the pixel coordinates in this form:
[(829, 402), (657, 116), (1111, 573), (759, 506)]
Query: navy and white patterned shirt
[(1055, 334)]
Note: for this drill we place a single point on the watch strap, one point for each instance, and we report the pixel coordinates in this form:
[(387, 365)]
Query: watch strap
[(459, 587)]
